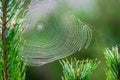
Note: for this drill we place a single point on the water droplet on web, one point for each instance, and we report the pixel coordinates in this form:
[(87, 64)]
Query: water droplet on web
[(40, 27)]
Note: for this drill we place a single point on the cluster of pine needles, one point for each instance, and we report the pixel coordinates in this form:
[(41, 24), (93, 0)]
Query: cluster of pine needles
[(12, 66), (82, 70), (78, 70), (113, 63)]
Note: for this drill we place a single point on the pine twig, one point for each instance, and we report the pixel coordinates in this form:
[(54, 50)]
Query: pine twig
[(11, 64), (4, 29), (113, 63), (78, 70)]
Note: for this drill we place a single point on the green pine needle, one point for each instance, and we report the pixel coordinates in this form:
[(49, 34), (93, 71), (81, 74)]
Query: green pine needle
[(78, 70), (11, 65), (113, 63)]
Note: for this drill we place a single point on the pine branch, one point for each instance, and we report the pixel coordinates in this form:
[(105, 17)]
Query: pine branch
[(78, 70), (4, 47), (11, 64), (113, 63)]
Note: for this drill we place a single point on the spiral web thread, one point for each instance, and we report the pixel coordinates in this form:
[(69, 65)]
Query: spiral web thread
[(54, 37)]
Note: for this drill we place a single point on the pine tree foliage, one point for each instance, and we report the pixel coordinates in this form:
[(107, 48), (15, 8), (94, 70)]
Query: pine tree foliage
[(11, 64), (78, 70), (113, 63)]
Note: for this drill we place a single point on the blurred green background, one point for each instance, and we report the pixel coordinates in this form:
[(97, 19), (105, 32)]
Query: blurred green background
[(103, 16)]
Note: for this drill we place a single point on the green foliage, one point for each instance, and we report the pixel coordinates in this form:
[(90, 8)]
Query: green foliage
[(11, 43), (113, 63), (16, 65), (78, 70)]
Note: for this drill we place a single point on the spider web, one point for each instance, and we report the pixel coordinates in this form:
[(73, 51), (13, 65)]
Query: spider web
[(52, 32)]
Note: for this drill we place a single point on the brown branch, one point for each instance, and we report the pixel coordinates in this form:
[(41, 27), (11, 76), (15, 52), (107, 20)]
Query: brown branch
[(118, 74), (5, 50)]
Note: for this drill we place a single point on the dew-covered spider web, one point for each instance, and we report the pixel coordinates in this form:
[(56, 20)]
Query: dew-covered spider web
[(52, 31)]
